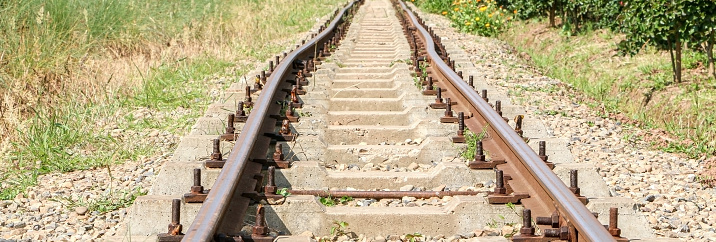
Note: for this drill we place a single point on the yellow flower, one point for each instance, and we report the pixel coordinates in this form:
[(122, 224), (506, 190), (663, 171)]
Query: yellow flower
[(468, 23), (444, 12), (515, 11), (487, 25), (477, 18), (456, 9), (483, 8), (489, 15)]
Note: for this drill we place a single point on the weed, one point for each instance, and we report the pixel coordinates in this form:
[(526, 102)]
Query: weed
[(418, 80), (327, 201), (339, 228), (503, 222), (331, 201), (413, 237), (407, 61), (471, 140), (283, 192), (105, 204)]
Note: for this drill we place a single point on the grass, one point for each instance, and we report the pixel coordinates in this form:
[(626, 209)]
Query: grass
[(104, 204), (82, 83), (471, 139), (639, 88)]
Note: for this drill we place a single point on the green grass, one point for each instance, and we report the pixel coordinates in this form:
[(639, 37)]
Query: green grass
[(471, 139), (113, 201), (639, 87), (79, 70)]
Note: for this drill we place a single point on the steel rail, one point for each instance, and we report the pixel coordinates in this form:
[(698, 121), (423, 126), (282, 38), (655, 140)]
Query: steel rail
[(570, 207), (383, 194), (212, 211)]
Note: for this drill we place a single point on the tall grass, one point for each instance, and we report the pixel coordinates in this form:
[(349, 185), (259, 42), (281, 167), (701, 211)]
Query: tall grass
[(72, 71)]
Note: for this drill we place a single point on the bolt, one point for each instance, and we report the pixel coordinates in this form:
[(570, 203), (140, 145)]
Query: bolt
[(518, 125), (230, 124), (240, 110), (248, 94), (484, 95), (499, 183), (613, 222), (197, 188), (498, 107), (573, 182), (430, 84), (284, 55), (257, 83), (216, 155), (285, 128), (277, 60), (260, 228), (294, 97), (270, 187), (438, 97), (263, 77), (527, 229), (470, 81), (561, 232), (459, 73), (289, 112), (542, 150), (176, 211), (278, 153), (270, 66), (448, 110), (452, 64), (551, 220), (460, 124), (479, 153)]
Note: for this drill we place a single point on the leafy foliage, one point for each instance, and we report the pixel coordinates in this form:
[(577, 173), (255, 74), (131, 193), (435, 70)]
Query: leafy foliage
[(667, 24), (482, 17), (331, 201)]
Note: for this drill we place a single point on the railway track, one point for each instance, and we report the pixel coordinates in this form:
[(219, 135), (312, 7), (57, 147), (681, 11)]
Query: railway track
[(372, 108)]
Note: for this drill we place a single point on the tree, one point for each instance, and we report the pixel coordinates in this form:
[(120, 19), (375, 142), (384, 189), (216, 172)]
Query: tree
[(667, 24)]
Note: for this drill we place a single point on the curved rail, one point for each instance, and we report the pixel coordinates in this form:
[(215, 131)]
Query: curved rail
[(217, 202), (567, 203)]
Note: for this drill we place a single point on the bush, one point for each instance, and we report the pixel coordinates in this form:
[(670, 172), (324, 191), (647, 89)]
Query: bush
[(482, 17)]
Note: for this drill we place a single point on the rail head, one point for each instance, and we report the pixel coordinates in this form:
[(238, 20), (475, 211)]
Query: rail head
[(568, 204), (212, 211)]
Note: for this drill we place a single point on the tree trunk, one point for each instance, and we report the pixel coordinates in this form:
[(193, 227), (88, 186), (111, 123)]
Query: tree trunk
[(671, 54), (552, 12), (677, 56), (710, 53)]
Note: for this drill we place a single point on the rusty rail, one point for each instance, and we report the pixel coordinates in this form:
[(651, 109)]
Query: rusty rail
[(214, 208), (547, 189), (383, 194)]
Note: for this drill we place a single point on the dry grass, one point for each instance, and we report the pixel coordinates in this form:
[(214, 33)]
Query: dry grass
[(72, 68)]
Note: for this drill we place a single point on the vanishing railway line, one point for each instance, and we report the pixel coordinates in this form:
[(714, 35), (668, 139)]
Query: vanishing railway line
[(342, 116)]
